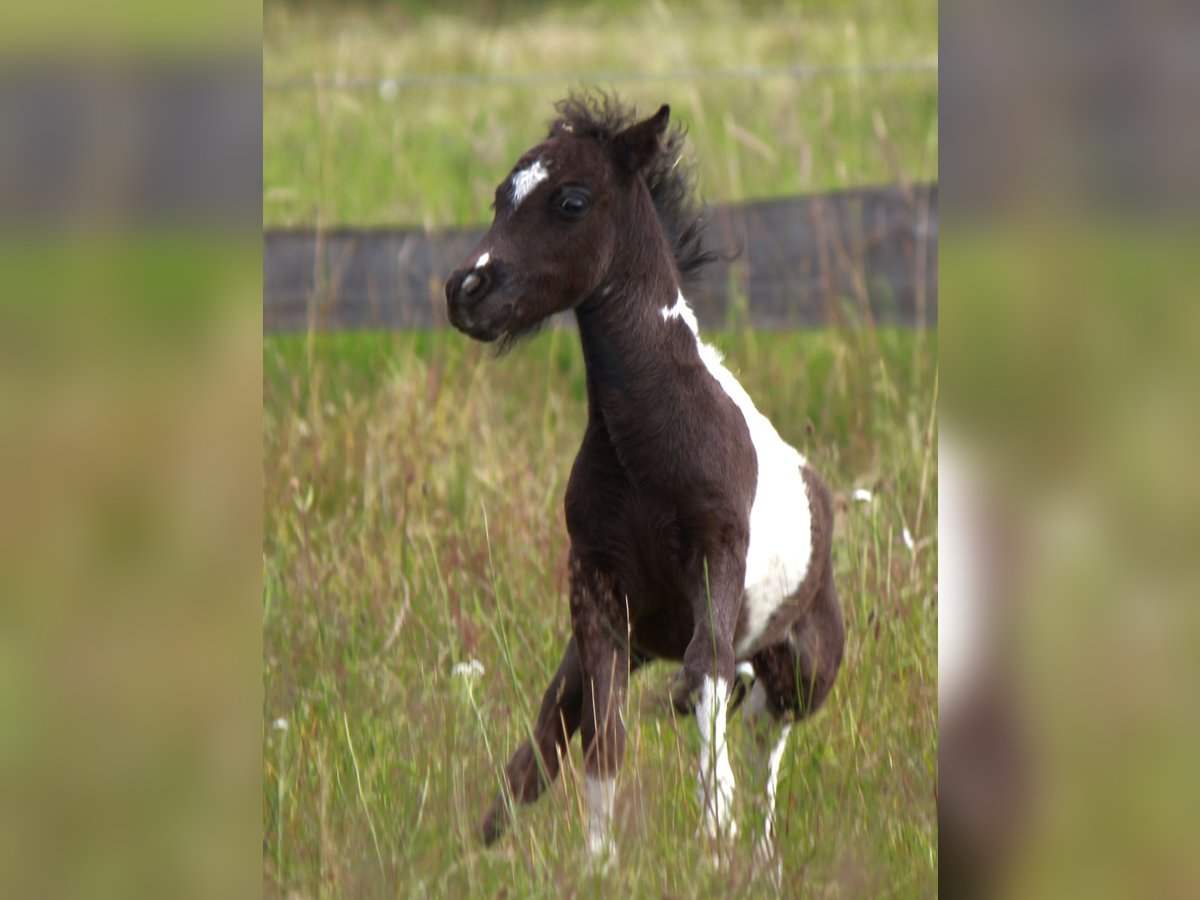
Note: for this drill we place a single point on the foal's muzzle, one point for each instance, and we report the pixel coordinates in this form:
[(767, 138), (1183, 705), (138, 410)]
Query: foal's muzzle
[(472, 306)]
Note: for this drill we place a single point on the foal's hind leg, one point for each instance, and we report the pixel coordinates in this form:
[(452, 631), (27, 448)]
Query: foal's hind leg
[(792, 680), (768, 735), (535, 765)]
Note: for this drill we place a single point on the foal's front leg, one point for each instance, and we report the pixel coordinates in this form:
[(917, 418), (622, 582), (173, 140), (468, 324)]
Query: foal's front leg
[(705, 682), (599, 618), (536, 763)]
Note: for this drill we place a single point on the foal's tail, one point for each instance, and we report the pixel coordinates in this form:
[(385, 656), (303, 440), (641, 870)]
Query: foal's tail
[(531, 771)]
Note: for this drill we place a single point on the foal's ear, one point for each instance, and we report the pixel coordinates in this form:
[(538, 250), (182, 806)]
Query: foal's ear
[(638, 144)]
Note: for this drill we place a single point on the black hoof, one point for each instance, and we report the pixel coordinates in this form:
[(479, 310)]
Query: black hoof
[(495, 823)]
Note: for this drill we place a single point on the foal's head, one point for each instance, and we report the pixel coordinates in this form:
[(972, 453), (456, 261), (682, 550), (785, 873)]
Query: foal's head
[(560, 217)]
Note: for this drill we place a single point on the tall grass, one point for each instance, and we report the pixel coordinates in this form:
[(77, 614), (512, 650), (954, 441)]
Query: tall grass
[(414, 521)]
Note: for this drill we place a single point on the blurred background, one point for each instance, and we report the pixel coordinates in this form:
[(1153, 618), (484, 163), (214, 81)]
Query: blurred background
[(387, 127), (1068, 622), (407, 114), (130, 462)]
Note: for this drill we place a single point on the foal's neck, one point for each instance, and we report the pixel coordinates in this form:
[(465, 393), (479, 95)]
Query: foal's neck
[(645, 376), (621, 327)]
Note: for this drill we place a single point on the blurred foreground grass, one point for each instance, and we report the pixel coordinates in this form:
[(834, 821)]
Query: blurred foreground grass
[(413, 521)]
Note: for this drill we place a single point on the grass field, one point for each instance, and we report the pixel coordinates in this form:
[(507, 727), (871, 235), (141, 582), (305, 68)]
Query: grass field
[(414, 521), (413, 483)]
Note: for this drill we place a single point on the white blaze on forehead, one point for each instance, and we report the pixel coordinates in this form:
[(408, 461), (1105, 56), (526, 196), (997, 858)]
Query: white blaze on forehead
[(483, 260), (526, 180)]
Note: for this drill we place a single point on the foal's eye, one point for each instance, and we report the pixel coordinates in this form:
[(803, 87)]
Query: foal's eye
[(572, 203), (572, 206)]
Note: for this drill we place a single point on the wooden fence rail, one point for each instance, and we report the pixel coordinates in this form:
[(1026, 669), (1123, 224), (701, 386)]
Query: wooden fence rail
[(863, 255)]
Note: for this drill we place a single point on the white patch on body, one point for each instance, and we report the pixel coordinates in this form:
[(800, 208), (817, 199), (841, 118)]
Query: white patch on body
[(600, 795), (681, 310), (780, 524), (716, 775), (526, 180), (483, 260)]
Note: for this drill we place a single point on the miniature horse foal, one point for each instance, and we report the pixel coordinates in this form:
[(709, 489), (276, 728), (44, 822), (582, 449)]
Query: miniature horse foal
[(697, 533)]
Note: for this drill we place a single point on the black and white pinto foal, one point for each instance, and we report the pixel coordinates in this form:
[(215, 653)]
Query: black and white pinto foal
[(697, 533)]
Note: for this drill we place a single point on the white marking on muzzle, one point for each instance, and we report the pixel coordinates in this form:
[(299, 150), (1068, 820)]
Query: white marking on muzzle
[(526, 180), (483, 260)]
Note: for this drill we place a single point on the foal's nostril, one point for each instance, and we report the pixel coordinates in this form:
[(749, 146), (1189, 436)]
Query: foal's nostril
[(471, 283)]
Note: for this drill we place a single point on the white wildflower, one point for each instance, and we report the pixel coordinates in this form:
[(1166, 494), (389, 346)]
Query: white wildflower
[(468, 670), (280, 724), (908, 539), (863, 495)]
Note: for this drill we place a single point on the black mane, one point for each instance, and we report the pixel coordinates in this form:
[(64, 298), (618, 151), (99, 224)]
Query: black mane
[(672, 182)]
